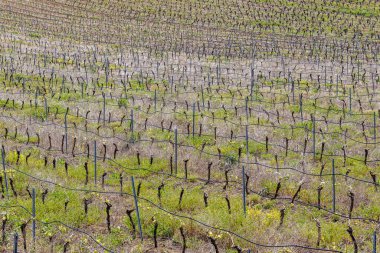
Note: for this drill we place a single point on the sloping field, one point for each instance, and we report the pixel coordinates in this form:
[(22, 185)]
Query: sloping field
[(189, 126)]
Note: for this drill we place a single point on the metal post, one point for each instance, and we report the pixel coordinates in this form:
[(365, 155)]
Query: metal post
[(15, 241), (314, 137), (34, 215), (333, 186), (132, 121), (246, 108), (193, 119), (374, 127), (301, 110), (67, 111), (246, 142), (5, 172), (104, 109), (243, 187), (132, 130), (350, 100), (374, 241), (252, 81), (203, 100), (95, 167), (175, 150), (137, 207)]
